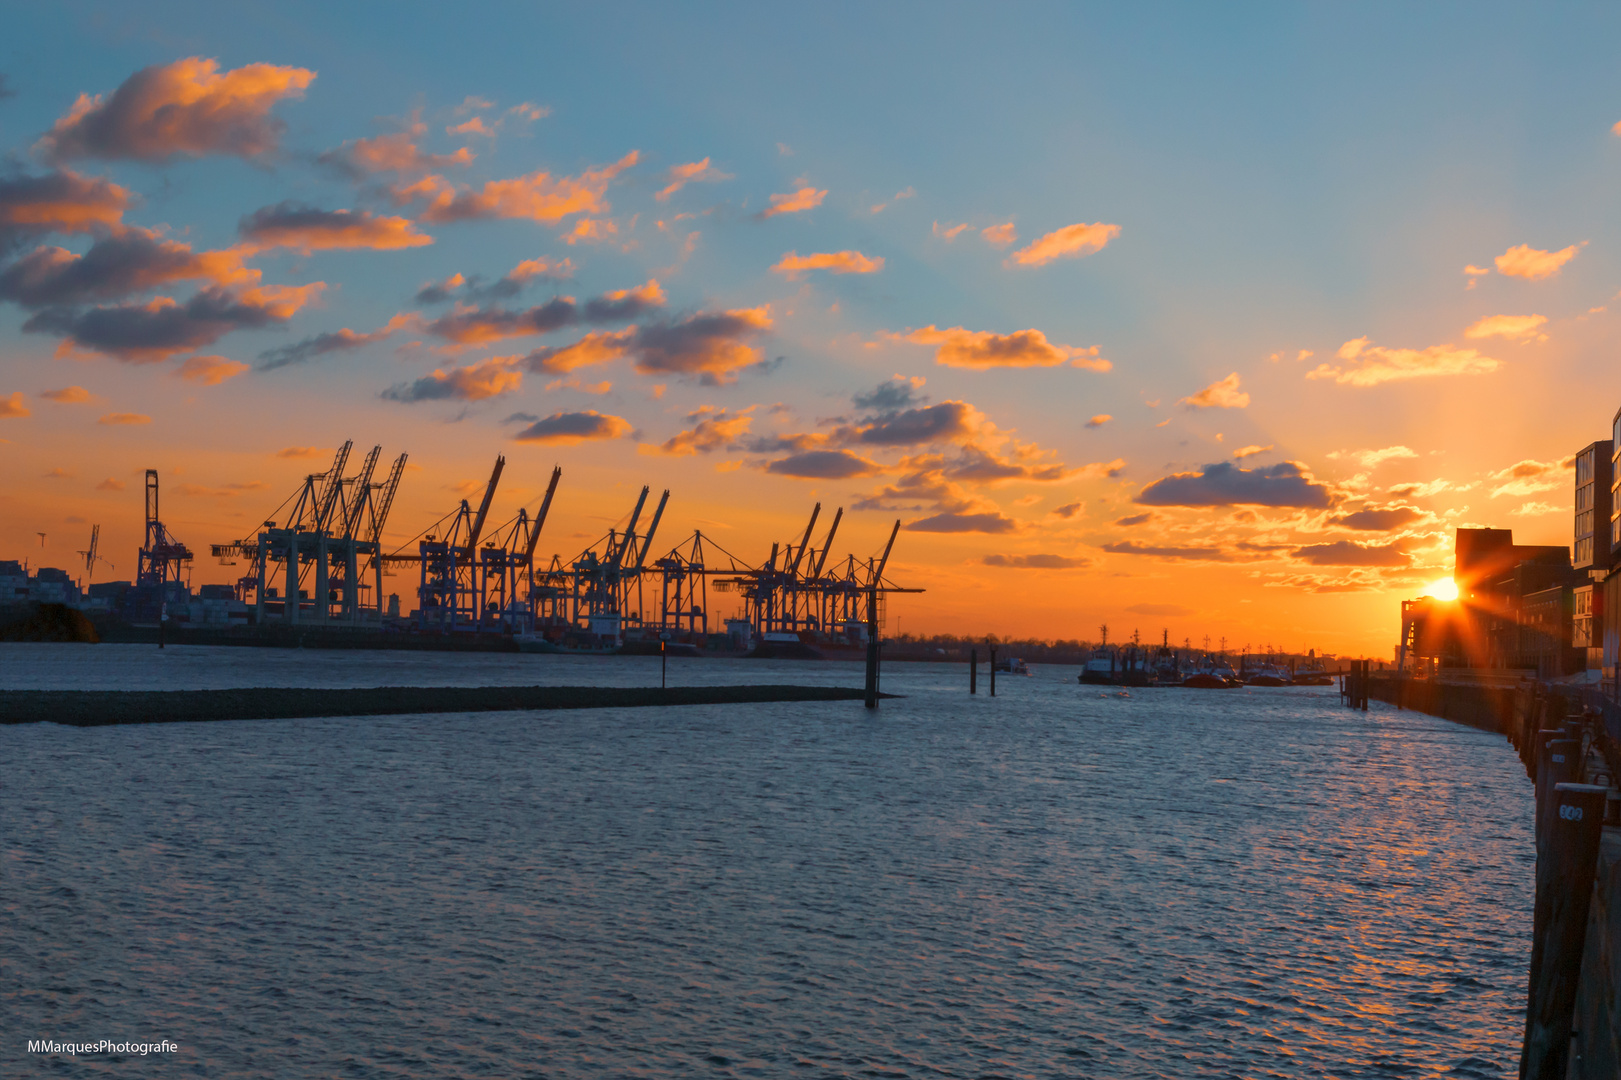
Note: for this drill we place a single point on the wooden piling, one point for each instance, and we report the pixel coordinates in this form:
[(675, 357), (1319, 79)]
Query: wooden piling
[(973, 671), (1565, 872), (993, 671), (1558, 767)]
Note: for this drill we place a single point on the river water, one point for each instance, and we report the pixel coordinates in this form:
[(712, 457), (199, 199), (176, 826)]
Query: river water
[(1053, 882)]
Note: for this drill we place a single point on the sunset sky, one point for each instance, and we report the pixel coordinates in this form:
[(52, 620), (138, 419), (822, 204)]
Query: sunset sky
[(1163, 317)]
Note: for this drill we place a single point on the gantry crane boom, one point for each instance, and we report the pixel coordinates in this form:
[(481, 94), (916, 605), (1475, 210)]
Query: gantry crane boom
[(334, 484), (805, 542), (630, 530), (360, 495), (484, 507), (878, 575), (647, 543), (540, 515), (379, 510), (827, 547)]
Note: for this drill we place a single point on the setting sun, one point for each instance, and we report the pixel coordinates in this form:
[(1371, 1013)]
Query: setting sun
[(1442, 589)]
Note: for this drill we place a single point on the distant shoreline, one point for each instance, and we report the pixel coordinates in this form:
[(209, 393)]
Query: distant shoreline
[(97, 708)]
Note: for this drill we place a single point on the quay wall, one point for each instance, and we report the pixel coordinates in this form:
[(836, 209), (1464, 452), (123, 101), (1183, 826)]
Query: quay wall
[(1518, 711)]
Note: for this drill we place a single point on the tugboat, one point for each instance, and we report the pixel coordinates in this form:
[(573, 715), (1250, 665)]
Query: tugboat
[(1313, 673), (1212, 675), (1013, 666), (1167, 672), (1134, 667), (1099, 669), (1268, 674)]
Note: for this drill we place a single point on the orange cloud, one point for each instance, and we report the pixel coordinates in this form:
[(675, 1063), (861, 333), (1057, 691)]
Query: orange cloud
[(1513, 327), (1223, 394), (475, 126), (899, 195), (209, 370), (568, 428), (1251, 451), (1000, 235), (187, 107), (131, 261), (1070, 242), (1377, 365), (595, 348), (806, 198), (793, 264), (1528, 262), (306, 229), (396, 152), (68, 395), (62, 202), (592, 230), (949, 233), (536, 197), (110, 484), (476, 382), (1099, 420), (119, 419), (711, 344), (982, 350), (693, 173), (14, 406), (300, 452), (712, 429), (161, 328)]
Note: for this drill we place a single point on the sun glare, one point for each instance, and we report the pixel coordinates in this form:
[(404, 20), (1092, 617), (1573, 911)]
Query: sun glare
[(1442, 589)]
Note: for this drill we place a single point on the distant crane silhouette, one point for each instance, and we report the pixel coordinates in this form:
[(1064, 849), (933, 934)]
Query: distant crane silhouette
[(90, 556), (41, 539)]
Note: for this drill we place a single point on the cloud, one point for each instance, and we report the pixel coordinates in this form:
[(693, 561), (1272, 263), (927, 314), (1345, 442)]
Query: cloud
[(1190, 553), (121, 419), (1351, 553), (68, 395), (793, 264), (806, 198), (1372, 459), (160, 328), (598, 347), (950, 522), (323, 344), (1070, 242), (568, 428), (301, 452), (536, 197), (711, 344), (475, 126), (1379, 365), (823, 465), (1287, 484), (110, 484), (712, 429), (1222, 394), (1528, 262), (472, 325), (899, 195), (1475, 273), (57, 202), (949, 421), (892, 396), (1513, 327), (1171, 610), (510, 284), (132, 261), (592, 230), (1538, 509), (1530, 476), (695, 172), (209, 370), (949, 233), (1103, 469), (185, 108), (306, 229), (1099, 420), (1069, 510), (1038, 562), (625, 304), (1378, 518), (476, 382), (13, 406), (1251, 451), (396, 152), (1134, 520), (982, 350), (1000, 235)]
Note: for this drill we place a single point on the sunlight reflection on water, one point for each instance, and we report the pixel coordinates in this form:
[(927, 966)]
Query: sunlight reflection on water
[(1051, 882)]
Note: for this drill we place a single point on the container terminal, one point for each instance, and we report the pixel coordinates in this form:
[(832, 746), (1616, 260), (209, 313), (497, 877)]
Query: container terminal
[(314, 572)]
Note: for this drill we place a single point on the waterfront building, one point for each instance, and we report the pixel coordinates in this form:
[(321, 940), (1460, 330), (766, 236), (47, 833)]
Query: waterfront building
[(1597, 531)]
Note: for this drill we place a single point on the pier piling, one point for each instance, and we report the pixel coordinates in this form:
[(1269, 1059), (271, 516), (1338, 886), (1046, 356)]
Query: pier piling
[(993, 672), (973, 671), (1565, 871), (1558, 767)]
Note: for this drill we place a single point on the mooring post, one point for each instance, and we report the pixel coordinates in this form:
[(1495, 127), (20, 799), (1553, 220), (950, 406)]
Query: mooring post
[(993, 671), (664, 665), (1565, 872), (1558, 767), (973, 671)]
